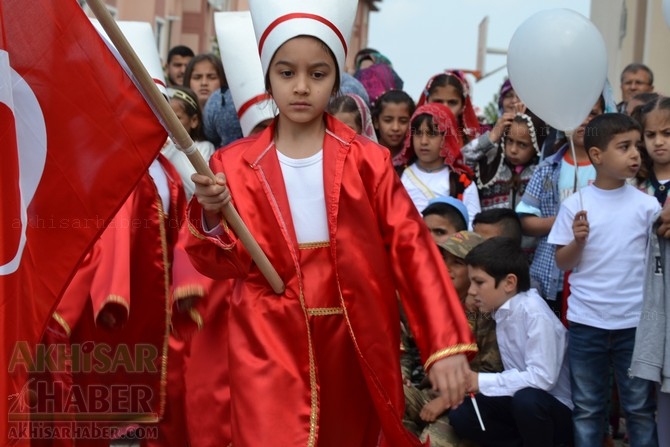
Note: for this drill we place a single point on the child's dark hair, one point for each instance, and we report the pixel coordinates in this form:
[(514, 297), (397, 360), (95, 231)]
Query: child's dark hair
[(505, 218), (364, 54), (338, 76), (392, 97), (344, 104), (214, 59), (657, 103), (640, 115), (414, 127), (189, 100), (453, 216), (457, 81), (419, 120), (602, 129), (542, 129), (179, 50), (644, 98), (499, 257), (444, 80)]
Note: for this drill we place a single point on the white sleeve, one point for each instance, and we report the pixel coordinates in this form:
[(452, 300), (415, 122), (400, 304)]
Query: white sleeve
[(544, 353), (561, 232), (211, 232), (471, 202)]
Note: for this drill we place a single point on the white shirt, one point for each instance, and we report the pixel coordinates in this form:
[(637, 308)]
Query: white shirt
[(532, 344), (161, 181), (606, 284), (303, 178), (436, 184)]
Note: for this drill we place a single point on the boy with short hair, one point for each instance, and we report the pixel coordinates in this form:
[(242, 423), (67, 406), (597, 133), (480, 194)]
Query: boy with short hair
[(444, 217), (556, 178), (529, 402), (498, 222), (601, 235), (454, 251), (425, 411)]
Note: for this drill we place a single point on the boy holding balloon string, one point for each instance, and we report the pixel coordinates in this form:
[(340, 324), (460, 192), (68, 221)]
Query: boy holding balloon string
[(555, 179), (604, 245)]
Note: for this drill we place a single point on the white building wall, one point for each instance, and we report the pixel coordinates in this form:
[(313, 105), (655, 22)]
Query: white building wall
[(634, 31)]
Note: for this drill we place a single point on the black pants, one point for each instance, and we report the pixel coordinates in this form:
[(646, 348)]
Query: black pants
[(531, 418)]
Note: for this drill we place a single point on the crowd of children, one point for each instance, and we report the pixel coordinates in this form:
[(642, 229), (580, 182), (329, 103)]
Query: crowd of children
[(518, 274)]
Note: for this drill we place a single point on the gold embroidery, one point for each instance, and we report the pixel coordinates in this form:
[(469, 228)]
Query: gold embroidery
[(313, 245), (60, 320), (314, 396), (188, 291), (323, 311), (446, 352), (195, 232), (195, 316), (168, 308), (116, 299)]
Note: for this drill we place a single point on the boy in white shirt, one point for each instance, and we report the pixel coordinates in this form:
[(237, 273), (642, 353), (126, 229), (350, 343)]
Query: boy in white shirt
[(529, 402), (601, 235)]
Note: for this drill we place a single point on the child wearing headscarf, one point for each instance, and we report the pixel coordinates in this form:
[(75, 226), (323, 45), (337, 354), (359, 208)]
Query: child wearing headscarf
[(432, 161), (376, 73), (452, 89), (502, 174), (352, 111)]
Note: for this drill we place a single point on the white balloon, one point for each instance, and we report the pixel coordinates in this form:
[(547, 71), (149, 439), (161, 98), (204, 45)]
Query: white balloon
[(557, 64), (666, 12)]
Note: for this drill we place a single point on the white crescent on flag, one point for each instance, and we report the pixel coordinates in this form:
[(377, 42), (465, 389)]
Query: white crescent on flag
[(31, 144)]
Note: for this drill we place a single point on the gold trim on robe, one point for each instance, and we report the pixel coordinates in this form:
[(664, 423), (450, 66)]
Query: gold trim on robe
[(313, 245), (61, 321), (446, 352), (323, 311)]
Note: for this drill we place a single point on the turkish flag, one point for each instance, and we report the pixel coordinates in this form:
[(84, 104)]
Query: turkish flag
[(76, 135)]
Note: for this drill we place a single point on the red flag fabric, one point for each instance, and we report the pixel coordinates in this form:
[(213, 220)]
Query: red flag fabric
[(76, 137)]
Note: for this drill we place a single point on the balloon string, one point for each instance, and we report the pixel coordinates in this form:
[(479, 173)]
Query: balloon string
[(577, 189)]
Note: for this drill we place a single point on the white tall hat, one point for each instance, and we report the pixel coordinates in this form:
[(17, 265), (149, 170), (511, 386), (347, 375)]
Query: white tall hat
[(244, 73), (141, 38), (276, 21)]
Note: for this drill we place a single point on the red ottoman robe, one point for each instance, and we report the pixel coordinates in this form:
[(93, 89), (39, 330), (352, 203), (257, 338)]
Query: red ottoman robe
[(374, 232), (130, 301)]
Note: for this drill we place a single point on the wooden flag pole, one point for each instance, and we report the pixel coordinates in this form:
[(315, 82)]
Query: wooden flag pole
[(182, 139)]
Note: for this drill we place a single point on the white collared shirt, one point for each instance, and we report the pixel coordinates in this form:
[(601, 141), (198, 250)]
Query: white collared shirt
[(532, 344)]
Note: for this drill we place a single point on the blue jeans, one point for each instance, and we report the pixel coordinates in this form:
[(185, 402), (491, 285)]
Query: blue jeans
[(591, 351)]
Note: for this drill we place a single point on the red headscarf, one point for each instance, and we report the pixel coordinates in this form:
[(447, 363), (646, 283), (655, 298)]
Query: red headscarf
[(446, 123), (469, 117)]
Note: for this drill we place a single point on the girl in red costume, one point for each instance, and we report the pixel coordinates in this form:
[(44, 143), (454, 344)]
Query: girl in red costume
[(318, 364)]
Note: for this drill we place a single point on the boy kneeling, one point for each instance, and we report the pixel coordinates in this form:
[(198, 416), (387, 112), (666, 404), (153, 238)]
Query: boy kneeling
[(529, 402)]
